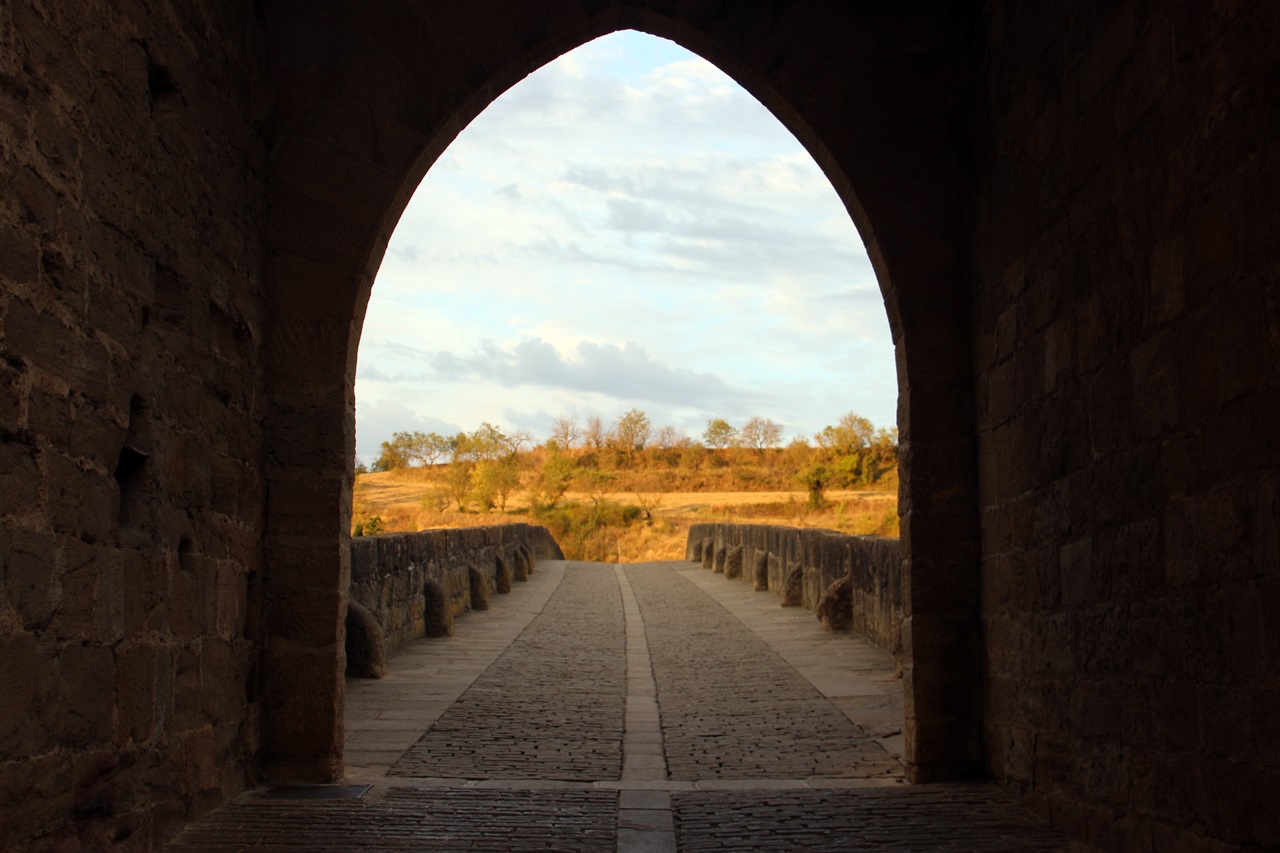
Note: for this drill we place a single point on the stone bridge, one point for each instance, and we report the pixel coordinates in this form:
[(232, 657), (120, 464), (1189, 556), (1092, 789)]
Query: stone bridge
[(645, 707), (1071, 209)]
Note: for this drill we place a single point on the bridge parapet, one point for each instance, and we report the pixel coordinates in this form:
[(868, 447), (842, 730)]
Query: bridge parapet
[(799, 565), (413, 584)]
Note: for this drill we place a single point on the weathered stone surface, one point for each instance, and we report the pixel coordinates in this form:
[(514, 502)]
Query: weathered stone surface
[(437, 614), (835, 609), (793, 587), (799, 565), (735, 710), (733, 562), (501, 575), (551, 706), (416, 583), (759, 570), (1072, 225), (366, 648), (479, 586)]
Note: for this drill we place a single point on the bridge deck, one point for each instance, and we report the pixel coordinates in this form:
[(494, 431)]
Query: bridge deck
[(640, 707)]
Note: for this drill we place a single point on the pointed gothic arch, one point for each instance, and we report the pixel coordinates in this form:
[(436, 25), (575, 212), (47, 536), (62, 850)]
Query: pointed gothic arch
[(369, 94)]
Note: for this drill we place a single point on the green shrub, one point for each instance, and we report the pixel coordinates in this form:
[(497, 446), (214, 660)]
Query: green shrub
[(815, 478), (585, 531), (370, 526)]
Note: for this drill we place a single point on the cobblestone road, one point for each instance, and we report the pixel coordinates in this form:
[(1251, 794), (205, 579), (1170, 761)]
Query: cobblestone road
[(932, 817), (413, 819), (551, 707), (641, 709), (730, 707)]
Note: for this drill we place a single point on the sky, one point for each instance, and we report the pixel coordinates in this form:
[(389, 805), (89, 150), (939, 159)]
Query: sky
[(624, 228)]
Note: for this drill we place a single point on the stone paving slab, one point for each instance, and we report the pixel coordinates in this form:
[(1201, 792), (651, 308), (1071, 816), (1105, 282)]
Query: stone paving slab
[(910, 818), (405, 819), (730, 706), (426, 677), (858, 677), (554, 726), (551, 706)]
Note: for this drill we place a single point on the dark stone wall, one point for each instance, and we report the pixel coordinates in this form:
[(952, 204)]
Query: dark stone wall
[(1071, 209), (821, 557), (132, 206), (389, 573), (1127, 337), (367, 96)]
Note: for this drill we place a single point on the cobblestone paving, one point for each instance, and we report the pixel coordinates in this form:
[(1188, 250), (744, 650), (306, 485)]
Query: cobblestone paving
[(551, 707), (730, 707), (927, 817), (412, 819), (757, 756)]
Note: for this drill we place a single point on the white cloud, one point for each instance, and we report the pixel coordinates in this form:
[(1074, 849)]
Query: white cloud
[(625, 227), (377, 420), (627, 373)]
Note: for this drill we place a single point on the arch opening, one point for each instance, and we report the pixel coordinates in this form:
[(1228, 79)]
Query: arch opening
[(691, 221), (625, 230), (939, 522)]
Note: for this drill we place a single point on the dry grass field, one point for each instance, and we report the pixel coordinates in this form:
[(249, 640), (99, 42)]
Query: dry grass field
[(400, 500)]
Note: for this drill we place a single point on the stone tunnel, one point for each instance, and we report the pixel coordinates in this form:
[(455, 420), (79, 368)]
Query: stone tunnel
[(1071, 209)]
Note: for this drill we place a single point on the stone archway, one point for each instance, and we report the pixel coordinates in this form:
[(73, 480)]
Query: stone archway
[(368, 96)]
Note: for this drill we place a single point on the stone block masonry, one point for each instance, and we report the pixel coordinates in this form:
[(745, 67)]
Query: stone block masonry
[(132, 409), (780, 558), (1071, 211), (393, 576)]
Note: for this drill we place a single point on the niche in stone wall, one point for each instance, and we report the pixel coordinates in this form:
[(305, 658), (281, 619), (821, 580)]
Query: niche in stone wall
[(187, 558), (133, 465)]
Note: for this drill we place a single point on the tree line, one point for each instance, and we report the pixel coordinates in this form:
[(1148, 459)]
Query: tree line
[(486, 466)]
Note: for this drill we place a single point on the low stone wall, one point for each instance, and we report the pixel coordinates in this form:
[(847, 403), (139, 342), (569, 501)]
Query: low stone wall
[(413, 584), (799, 565)]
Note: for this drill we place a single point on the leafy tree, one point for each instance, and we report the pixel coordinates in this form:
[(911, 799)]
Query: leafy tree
[(867, 469), (631, 432), (396, 453), (850, 435), (457, 483), (493, 481), (719, 434), (431, 448), (555, 478), (515, 442), (761, 433), (486, 442), (814, 477), (436, 499), (884, 446), (459, 448), (409, 448), (504, 477)]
